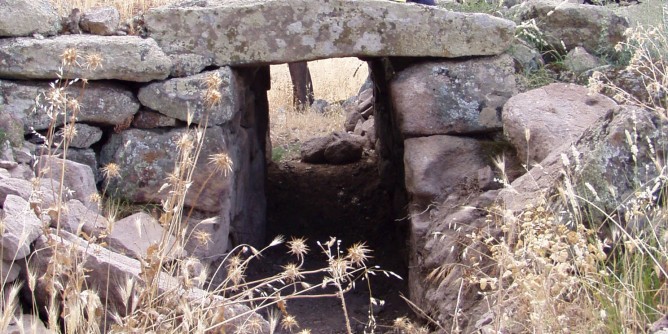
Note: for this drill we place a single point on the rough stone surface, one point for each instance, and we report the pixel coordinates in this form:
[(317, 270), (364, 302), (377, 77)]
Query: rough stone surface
[(10, 125), (457, 219), (127, 58), (178, 97), (313, 150), (218, 228), (452, 97), (86, 135), (527, 59), (101, 103), (579, 60), (344, 149), (27, 17), (133, 235), (146, 157), (78, 218), (10, 272), (105, 269), (101, 21), (554, 115), (86, 157), (605, 162), (78, 179), (21, 228), (250, 32), (24, 189), (147, 119), (438, 165), (595, 28)]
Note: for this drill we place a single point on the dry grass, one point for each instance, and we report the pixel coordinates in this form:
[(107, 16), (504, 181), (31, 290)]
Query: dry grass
[(334, 80), (127, 8)]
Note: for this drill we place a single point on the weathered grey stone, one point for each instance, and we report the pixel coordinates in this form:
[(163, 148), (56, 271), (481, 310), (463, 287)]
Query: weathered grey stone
[(554, 115), (178, 97), (108, 271), (27, 17), (437, 165), (86, 135), (78, 179), (24, 153), (128, 58), (249, 32), (76, 217), (22, 171), (24, 189), (101, 103), (86, 157), (133, 235), (8, 165), (527, 59), (208, 250), (596, 28), (101, 21), (147, 157), (579, 60), (11, 126), (10, 272), (21, 228), (453, 96), (344, 149), (313, 150), (605, 162), (146, 119)]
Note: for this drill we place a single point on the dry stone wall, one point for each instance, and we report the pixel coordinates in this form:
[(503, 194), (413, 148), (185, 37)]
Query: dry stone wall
[(142, 92)]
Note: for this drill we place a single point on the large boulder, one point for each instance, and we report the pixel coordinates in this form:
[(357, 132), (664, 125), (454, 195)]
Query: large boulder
[(614, 160), (250, 32), (452, 96), (146, 158), (551, 116), (128, 58), (27, 17), (101, 103), (565, 24), (178, 97)]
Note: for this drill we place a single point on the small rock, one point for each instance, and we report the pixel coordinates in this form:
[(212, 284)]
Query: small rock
[(579, 60), (133, 235), (319, 106), (101, 21), (147, 119)]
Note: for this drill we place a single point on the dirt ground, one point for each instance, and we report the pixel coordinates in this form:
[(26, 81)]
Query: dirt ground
[(347, 202)]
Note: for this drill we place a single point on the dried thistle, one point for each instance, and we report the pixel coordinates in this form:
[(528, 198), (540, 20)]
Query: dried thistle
[(222, 163), (289, 323), (111, 171), (298, 248), (358, 254)]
